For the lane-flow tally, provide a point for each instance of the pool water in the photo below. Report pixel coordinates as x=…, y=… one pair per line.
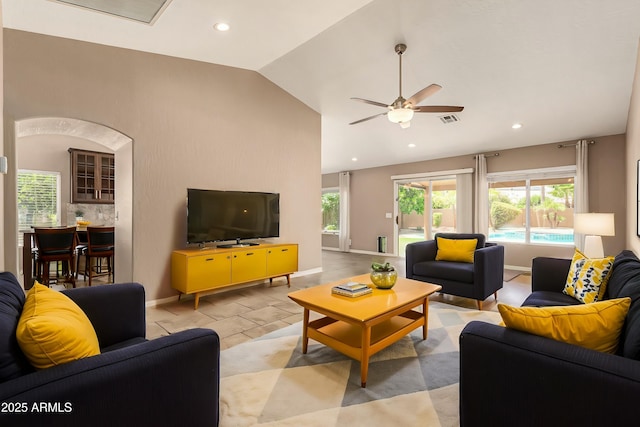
x=549, y=237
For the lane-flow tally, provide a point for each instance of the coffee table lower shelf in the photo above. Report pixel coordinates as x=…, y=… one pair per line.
x=351, y=339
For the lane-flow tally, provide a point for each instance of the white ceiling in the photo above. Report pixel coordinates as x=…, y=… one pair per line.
x=564, y=69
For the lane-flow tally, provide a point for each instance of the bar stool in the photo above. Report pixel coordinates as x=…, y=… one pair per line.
x=55, y=245
x=100, y=244
x=81, y=247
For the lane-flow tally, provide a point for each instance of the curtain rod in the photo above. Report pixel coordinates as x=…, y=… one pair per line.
x=488, y=155
x=573, y=144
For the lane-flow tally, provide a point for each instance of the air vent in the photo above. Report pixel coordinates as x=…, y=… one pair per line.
x=449, y=118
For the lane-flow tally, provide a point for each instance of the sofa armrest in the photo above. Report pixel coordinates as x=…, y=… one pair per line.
x=116, y=311
x=549, y=274
x=543, y=378
x=419, y=252
x=169, y=381
x=488, y=267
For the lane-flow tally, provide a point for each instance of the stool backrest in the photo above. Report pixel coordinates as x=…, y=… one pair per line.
x=100, y=239
x=55, y=240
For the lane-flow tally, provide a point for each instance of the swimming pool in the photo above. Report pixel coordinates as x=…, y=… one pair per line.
x=547, y=236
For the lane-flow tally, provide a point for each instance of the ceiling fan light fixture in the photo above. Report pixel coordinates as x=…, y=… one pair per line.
x=401, y=116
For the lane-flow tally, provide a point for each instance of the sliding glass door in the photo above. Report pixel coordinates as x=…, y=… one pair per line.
x=425, y=207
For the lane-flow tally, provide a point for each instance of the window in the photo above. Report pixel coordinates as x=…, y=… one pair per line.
x=38, y=199
x=330, y=211
x=532, y=206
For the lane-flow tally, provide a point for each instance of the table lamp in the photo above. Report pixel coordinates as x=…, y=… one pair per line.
x=593, y=226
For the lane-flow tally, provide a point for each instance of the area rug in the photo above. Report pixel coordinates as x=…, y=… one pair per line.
x=269, y=382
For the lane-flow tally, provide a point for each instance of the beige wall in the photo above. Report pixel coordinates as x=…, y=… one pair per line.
x=632, y=157
x=193, y=125
x=605, y=157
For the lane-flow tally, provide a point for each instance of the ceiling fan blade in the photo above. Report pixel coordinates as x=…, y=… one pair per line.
x=366, y=101
x=427, y=91
x=368, y=118
x=437, y=109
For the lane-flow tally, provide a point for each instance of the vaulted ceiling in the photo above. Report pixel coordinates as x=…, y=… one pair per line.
x=563, y=69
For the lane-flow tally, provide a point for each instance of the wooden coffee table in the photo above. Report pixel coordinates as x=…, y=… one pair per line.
x=362, y=326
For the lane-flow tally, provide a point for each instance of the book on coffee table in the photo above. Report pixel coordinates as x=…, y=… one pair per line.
x=351, y=289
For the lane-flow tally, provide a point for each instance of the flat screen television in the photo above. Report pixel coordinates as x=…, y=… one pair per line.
x=220, y=216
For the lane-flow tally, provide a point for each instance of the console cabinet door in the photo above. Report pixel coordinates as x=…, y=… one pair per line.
x=206, y=272
x=248, y=265
x=282, y=260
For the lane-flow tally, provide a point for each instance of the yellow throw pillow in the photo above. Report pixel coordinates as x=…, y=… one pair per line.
x=461, y=250
x=53, y=330
x=588, y=277
x=596, y=326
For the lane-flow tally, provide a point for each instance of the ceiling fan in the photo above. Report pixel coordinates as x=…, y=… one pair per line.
x=401, y=110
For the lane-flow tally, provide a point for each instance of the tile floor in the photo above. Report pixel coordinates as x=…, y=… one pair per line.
x=240, y=315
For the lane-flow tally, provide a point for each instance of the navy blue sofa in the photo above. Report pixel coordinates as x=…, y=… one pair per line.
x=478, y=280
x=169, y=381
x=509, y=378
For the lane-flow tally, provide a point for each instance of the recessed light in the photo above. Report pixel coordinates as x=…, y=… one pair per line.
x=516, y=126
x=222, y=26
x=354, y=159
x=412, y=145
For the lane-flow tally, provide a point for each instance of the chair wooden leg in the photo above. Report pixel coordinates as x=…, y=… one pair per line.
x=495, y=295
x=479, y=304
x=90, y=269
x=45, y=273
x=72, y=272
x=86, y=266
x=110, y=269
x=78, y=254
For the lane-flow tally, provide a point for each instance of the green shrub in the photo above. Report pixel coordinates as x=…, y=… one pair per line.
x=502, y=213
x=437, y=219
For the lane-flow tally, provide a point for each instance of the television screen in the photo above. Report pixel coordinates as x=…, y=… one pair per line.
x=216, y=216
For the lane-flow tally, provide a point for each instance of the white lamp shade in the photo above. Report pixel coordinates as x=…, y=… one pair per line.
x=594, y=224
x=400, y=115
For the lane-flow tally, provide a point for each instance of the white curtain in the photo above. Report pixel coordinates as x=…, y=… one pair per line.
x=343, y=238
x=581, y=186
x=464, y=203
x=481, y=216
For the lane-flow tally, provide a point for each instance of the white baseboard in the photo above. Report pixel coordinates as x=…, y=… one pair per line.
x=307, y=272
x=517, y=268
x=156, y=302
x=357, y=251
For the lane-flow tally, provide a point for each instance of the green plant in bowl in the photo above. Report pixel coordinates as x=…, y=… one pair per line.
x=384, y=276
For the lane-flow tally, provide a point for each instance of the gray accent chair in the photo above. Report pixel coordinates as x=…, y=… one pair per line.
x=475, y=280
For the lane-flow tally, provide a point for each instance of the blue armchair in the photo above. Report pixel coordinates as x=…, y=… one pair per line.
x=168, y=381
x=475, y=280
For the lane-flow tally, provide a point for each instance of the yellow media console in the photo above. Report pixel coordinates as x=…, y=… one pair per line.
x=194, y=271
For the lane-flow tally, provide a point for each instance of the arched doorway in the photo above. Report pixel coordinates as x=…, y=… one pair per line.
x=122, y=146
